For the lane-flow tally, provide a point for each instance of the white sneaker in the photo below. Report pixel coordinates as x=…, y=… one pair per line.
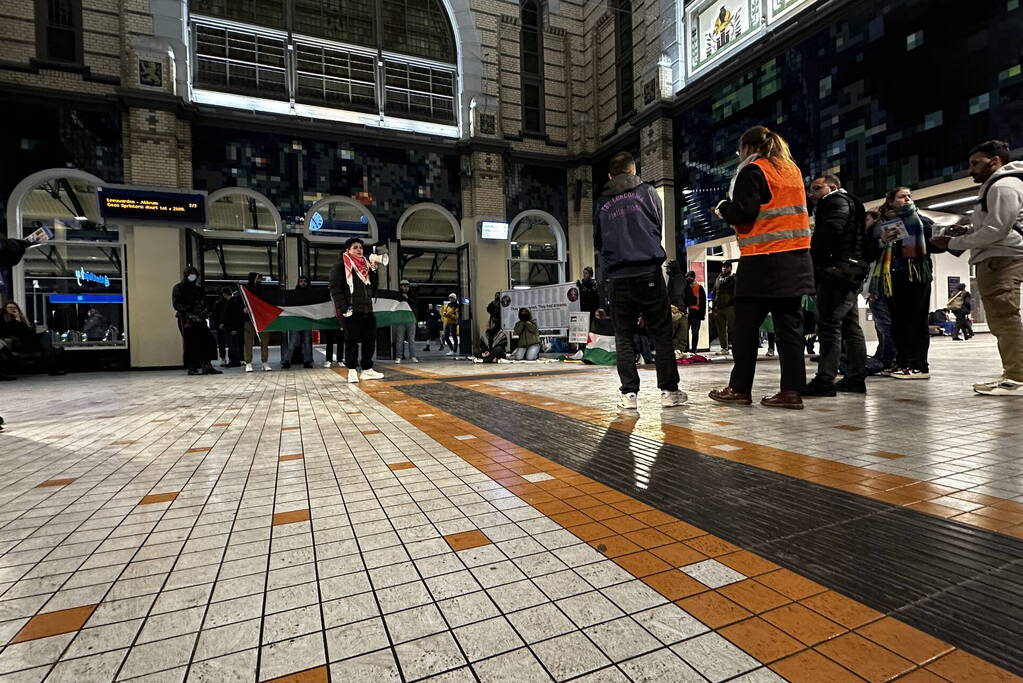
x=450, y=353
x=906, y=373
x=398, y=361
x=248, y=367
x=670, y=399
x=1003, y=386
x=353, y=376
x=628, y=402
x=267, y=368
x=770, y=353
x=414, y=359
x=327, y=364
x=371, y=374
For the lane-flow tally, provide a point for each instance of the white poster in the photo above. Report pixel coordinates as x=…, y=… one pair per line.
x=718, y=27
x=550, y=305
x=578, y=327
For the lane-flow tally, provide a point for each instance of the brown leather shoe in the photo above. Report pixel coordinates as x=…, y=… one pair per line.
x=783, y=399
x=730, y=396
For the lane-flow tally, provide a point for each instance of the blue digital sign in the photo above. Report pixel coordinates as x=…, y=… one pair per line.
x=86, y=298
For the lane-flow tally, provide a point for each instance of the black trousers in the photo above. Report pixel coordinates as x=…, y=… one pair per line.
x=694, y=332
x=334, y=338
x=360, y=331
x=631, y=297
x=787, y=314
x=964, y=326
x=198, y=345
x=838, y=324
x=909, y=304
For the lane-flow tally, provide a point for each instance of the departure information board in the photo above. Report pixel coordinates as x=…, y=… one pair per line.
x=130, y=204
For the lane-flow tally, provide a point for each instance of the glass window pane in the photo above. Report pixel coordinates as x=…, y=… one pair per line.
x=268, y=13
x=418, y=27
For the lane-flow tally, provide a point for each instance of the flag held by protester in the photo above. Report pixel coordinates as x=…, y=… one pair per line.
x=311, y=308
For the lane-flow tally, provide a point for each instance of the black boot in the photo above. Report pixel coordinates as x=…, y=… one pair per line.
x=210, y=370
x=194, y=371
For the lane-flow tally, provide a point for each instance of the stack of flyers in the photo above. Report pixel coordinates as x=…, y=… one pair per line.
x=43, y=234
x=896, y=224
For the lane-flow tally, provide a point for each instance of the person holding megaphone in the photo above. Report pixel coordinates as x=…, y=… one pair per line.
x=352, y=281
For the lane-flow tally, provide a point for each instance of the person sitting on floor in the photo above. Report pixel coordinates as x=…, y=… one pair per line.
x=493, y=343
x=679, y=331
x=20, y=337
x=526, y=330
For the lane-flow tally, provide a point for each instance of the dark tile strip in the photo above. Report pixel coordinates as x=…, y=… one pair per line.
x=957, y=582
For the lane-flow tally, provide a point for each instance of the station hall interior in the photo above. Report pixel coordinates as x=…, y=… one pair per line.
x=233, y=449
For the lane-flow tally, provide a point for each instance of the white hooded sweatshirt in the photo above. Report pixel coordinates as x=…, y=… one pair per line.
x=992, y=234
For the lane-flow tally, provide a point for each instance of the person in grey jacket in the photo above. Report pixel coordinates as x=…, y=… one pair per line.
x=995, y=241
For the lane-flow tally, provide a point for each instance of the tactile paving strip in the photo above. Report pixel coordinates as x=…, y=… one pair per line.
x=956, y=582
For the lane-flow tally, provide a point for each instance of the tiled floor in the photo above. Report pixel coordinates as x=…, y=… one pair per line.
x=288, y=525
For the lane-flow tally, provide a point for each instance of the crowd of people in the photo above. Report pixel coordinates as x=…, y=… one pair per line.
x=800, y=284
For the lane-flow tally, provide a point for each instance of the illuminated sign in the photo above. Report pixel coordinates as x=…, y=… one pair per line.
x=83, y=276
x=493, y=230
x=316, y=222
x=718, y=28
x=122, y=204
x=86, y=298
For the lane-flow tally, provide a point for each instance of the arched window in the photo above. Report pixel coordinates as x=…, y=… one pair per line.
x=240, y=212
x=393, y=58
x=531, y=67
x=537, y=250
x=336, y=218
x=623, y=58
x=429, y=225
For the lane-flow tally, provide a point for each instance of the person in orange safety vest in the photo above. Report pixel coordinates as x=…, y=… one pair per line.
x=767, y=208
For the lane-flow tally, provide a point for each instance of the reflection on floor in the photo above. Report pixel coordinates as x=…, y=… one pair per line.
x=495, y=525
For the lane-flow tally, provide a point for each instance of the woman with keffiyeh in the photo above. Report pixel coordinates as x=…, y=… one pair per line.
x=352, y=281
x=903, y=272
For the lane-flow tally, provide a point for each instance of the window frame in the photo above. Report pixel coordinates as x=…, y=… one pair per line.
x=534, y=79
x=42, y=22
x=624, y=59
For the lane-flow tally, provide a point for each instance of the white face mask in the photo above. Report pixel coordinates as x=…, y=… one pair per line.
x=192, y=277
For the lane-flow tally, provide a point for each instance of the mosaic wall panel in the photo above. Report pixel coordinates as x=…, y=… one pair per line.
x=38, y=136
x=295, y=171
x=537, y=187
x=892, y=93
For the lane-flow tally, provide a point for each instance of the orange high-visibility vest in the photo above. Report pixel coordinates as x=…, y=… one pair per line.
x=783, y=223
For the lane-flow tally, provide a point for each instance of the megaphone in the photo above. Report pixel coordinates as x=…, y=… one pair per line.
x=380, y=259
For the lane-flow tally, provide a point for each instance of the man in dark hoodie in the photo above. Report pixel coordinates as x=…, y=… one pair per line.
x=11, y=252
x=627, y=232
x=189, y=301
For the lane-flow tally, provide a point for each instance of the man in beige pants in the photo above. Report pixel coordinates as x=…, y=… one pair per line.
x=995, y=241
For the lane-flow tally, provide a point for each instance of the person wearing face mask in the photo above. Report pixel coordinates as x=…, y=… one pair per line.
x=433, y=327
x=299, y=337
x=528, y=347
x=903, y=272
x=352, y=281
x=199, y=347
x=995, y=241
x=406, y=332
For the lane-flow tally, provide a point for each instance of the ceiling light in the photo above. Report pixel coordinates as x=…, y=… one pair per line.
x=952, y=202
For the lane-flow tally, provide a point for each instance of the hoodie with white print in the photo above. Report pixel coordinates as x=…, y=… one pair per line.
x=992, y=234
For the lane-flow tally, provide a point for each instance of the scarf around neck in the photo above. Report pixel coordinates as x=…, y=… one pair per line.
x=912, y=255
x=359, y=265
x=742, y=164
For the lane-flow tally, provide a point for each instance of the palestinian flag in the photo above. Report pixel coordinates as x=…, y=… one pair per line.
x=600, y=350
x=311, y=308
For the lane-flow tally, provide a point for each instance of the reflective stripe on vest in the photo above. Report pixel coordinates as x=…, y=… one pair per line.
x=783, y=223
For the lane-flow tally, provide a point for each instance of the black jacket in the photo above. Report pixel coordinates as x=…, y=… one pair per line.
x=189, y=301
x=838, y=232
x=11, y=251
x=360, y=297
x=724, y=292
x=589, y=294
x=699, y=300
x=783, y=274
x=627, y=221
x=676, y=285
x=409, y=297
